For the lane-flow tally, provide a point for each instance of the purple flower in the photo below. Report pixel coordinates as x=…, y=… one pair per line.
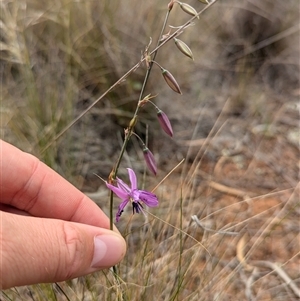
x=132, y=194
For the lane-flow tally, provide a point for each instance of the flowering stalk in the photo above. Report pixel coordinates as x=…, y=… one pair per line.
x=128, y=134
x=114, y=172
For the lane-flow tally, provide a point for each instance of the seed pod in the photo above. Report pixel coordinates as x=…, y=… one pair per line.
x=188, y=9
x=204, y=1
x=170, y=80
x=150, y=161
x=184, y=48
x=165, y=123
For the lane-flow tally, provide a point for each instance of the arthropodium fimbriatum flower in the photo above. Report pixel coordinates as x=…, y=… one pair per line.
x=184, y=48
x=170, y=80
x=165, y=122
x=132, y=194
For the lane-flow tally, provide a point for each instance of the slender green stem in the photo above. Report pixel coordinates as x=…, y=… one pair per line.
x=154, y=52
x=111, y=214
x=160, y=43
x=154, y=62
x=130, y=129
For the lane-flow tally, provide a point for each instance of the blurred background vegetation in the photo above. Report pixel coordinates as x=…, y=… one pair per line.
x=58, y=56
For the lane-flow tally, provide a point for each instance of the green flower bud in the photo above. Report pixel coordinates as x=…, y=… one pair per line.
x=204, y=1
x=132, y=122
x=171, y=81
x=184, y=48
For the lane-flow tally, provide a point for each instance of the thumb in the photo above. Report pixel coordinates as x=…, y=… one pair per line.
x=37, y=250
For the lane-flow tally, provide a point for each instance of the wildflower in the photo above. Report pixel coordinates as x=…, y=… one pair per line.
x=165, y=122
x=132, y=194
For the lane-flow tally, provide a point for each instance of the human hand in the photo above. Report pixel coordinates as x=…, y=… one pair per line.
x=49, y=230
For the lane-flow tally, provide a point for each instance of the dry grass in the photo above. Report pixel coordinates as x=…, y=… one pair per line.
x=227, y=227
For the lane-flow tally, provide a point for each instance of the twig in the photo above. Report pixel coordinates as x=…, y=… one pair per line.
x=249, y=283
x=240, y=253
x=196, y=220
x=281, y=273
x=165, y=177
x=230, y=190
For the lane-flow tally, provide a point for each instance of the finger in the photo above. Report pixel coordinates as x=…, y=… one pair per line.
x=29, y=185
x=36, y=250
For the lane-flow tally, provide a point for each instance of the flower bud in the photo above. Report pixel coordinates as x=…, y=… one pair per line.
x=188, y=9
x=165, y=123
x=204, y=1
x=184, y=48
x=171, y=81
x=150, y=161
x=132, y=122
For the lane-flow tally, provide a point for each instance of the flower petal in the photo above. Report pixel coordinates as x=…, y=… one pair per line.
x=123, y=186
x=132, y=178
x=148, y=198
x=121, y=208
x=118, y=191
x=135, y=195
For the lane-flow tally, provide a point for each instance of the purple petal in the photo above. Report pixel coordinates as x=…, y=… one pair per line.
x=148, y=198
x=135, y=195
x=123, y=186
x=121, y=208
x=132, y=178
x=118, y=191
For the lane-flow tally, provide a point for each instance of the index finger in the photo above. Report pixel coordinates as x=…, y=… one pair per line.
x=29, y=185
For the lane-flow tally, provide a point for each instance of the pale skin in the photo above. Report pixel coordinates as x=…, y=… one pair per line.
x=49, y=230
